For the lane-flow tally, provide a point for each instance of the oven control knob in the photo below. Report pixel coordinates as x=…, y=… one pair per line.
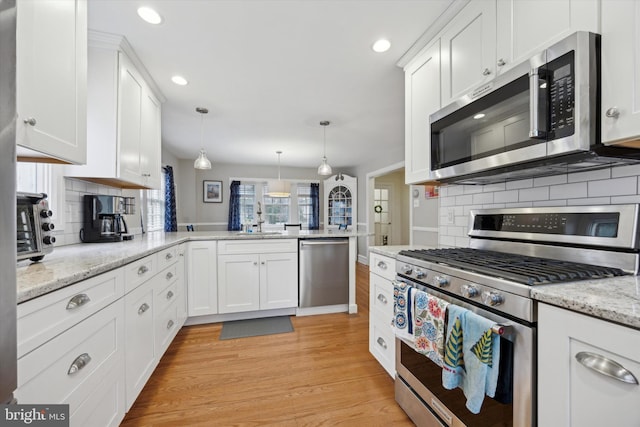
x=492, y=298
x=45, y=213
x=441, y=281
x=406, y=269
x=420, y=274
x=48, y=226
x=469, y=291
x=49, y=240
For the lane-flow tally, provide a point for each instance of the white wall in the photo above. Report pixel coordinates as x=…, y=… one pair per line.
x=602, y=187
x=424, y=217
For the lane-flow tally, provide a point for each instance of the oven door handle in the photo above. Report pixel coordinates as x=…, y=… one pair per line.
x=606, y=366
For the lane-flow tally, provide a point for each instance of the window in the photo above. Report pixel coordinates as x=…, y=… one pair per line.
x=305, y=208
x=275, y=209
x=247, y=202
x=154, y=201
x=48, y=179
x=340, y=206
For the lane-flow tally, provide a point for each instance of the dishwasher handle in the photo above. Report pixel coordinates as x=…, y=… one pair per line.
x=323, y=242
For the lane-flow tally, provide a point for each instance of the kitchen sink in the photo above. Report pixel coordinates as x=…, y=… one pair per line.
x=257, y=233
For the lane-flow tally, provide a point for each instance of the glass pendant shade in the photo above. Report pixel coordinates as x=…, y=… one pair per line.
x=324, y=169
x=278, y=188
x=202, y=162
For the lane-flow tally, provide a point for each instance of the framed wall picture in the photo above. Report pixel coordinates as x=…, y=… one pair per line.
x=212, y=191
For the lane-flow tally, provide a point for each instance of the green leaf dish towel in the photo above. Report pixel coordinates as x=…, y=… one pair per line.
x=472, y=356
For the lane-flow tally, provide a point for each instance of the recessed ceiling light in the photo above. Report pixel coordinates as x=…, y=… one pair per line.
x=179, y=80
x=478, y=116
x=381, y=45
x=149, y=15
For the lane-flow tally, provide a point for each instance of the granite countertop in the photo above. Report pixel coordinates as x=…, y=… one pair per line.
x=616, y=299
x=67, y=265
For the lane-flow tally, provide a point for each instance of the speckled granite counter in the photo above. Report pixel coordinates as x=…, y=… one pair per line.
x=616, y=299
x=70, y=264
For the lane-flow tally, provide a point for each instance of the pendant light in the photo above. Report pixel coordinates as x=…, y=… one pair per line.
x=278, y=188
x=202, y=162
x=324, y=169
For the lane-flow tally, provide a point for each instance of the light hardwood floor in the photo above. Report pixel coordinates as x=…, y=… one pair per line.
x=322, y=374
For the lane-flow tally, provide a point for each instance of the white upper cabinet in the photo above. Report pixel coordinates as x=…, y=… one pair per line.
x=340, y=202
x=468, y=49
x=422, y=97
x=525, y=27
x=621, y=70
x=123, y=114
x=51, y=82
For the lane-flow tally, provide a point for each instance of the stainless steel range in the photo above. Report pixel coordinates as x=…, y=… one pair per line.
x=510, y=251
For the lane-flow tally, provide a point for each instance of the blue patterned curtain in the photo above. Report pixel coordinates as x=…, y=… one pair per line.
x=314, y=221
x=234, y=207
x=170, y=222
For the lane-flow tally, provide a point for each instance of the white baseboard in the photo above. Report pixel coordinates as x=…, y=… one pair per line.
x=362, y=259
x=326, y=309
x=216, y=318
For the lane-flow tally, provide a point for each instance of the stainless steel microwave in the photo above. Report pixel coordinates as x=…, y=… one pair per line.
x=542, y=117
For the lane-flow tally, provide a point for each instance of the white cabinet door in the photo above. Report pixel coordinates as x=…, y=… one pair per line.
x=571, y=394
x=202, y=278
x=620, y=70
x=51, y=82
x=422, y=98
x=278, y=280
x=238, y=283
x=525, y=27
x=468, y=49
x=130, y=93
x=150, y=143
x=140, y=352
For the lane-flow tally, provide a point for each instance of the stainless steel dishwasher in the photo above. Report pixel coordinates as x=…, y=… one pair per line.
x=324, y=272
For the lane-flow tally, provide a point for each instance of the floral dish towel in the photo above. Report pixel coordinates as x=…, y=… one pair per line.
x=429, y=325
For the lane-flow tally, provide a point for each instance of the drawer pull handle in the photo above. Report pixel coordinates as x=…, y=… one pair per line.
x=144, y=307
x=382, y=265
x=606, y=366
x=169, y=275
x=381, y=343
x=382, y=298
x=78, y=301
x=80, y=362
x=169, y=294
x=170, y=324
x=168, y=256
x=142, y=269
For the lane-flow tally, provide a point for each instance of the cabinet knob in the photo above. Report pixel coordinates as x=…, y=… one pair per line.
x=382, y=265
x=169, y=275
x=612, y=112
x=381, y=343
x=78, y=301
x=169, y=294
x=79, y=363
x=143, y=269
x=31, y=121
x=486, y=72
x=168, y=256
x=170, y=323
x=382, y=298
x=143, y=308
x=146, y=175
x=501, y=62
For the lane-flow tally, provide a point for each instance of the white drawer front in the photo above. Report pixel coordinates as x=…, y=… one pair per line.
x=70, y=367
x=257, y=246
x=138, y=272
x=43, y=318
x=167, y=257
x=166, y=328
x=382, y=346
x=166, y=295
x=382, y=265
x=105, y=406
x=381, y=297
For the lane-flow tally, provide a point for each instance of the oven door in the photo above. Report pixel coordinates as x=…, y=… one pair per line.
x=28, y=234
x=420, y=393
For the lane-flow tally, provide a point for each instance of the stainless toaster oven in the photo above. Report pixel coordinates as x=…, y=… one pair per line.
x=34, y=227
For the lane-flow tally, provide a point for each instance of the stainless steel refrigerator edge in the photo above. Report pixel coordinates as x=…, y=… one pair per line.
x=8, y=343
x=324, y=272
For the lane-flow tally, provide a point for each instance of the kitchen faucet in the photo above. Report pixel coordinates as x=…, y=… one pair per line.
x=260, y=220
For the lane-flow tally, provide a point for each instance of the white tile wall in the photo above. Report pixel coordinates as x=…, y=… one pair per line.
x=602, y=187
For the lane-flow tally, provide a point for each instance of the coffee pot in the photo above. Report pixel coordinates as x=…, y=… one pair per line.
x=104, y=220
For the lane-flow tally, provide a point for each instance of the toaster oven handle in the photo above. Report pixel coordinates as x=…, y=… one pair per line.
x=534, y=105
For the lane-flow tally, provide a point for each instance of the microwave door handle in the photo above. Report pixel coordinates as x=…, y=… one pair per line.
x=534, y=105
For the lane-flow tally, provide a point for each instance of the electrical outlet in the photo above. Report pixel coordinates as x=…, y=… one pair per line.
x=451, y=216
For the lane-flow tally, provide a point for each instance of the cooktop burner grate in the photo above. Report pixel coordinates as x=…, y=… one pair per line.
x=518, y=268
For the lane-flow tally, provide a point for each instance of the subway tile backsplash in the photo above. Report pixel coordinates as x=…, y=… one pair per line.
x=600, y=187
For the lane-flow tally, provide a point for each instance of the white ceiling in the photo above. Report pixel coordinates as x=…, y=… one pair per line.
x=270, y=70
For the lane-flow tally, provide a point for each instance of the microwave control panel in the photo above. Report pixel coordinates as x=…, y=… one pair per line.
x=561, y=81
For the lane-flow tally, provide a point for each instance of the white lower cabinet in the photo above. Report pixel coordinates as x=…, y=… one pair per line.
x=202, y=278
x=591, y=393
x=381, y=338
x=140, y=346
x=80, y=367
x=257, y=275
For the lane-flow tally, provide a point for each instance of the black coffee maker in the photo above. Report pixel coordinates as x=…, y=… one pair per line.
x=103, y=218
